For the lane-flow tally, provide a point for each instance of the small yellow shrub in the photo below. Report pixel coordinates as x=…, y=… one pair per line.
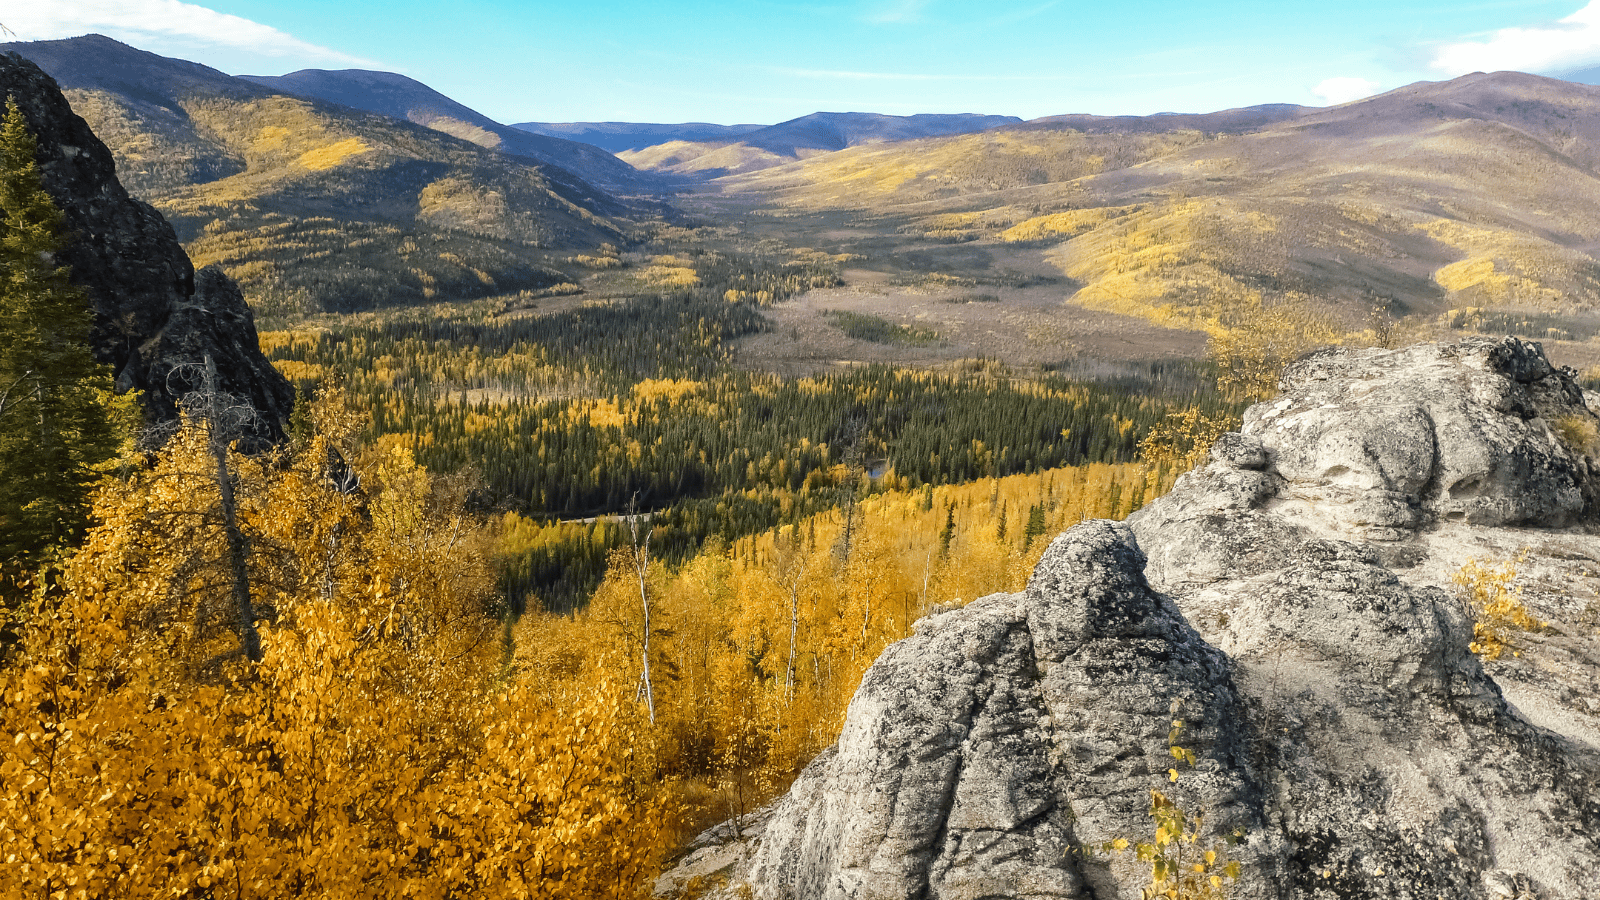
x=1182, y=440
x=1180, y=867
x=1579, y=434
x=1496, y=604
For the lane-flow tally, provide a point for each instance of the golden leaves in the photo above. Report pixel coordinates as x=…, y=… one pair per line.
x=329, y=155
x=1496, y=604
x=369, y=754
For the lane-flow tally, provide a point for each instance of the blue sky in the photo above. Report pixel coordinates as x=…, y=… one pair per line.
x=768, y=60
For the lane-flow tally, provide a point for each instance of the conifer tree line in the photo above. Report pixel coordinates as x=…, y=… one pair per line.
x=56, y=419
x=573, y=415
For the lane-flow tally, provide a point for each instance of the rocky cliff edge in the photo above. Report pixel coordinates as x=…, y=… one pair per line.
x=155, y=318
x=1291, y=602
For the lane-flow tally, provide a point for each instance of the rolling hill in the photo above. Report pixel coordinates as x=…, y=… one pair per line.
x=1468, y=203
x=800, y=138
x=406, y=98
x=1228, y=121
x=615, y=137
x=313, y=206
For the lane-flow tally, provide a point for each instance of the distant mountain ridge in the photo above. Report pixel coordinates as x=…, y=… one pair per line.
x=1242, y=120
x=616, y=137
x=817, y=133
x=827, y=131
x=406, y=98
x=1440, y=203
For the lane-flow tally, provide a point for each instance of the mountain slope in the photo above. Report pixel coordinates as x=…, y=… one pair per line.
x=1478, y=195
x=314, y=206
x=405, y=98
x=615, y=137
x=937, y=168
x=826, y=132
x=1229, y=121
x=800, y=138
x=1478, y=192
x=1055, y=149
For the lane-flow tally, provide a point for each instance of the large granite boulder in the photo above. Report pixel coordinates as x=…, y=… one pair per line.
x=979, y=755
x=1289, y=602
x=1390, y=440
x=155, y=319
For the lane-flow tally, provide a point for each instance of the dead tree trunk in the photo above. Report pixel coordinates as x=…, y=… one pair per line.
x=214, y=412
x=640, y=556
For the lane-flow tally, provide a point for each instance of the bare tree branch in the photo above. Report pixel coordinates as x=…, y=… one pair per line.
x=5, y=397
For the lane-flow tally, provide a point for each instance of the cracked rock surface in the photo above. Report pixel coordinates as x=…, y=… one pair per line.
x=1291, y=603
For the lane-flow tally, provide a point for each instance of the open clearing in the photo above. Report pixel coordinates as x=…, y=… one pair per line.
x=1030, y=327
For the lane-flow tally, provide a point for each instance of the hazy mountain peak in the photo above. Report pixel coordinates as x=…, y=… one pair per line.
x=393, y=94
x=617, y=137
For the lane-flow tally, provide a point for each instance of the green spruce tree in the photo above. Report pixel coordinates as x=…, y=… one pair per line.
x=56, y=428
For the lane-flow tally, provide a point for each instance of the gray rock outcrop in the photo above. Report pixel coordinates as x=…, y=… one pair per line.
x=1290, y=603
x=153, y=313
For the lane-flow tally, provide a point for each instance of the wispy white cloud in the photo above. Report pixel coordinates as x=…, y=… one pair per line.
x=847, y=75
x=164, y=23
x=899, y=11
x=1565, y=44
x=1023, y=15
x=1334, y=91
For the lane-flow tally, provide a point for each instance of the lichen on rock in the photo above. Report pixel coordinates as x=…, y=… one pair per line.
x=1289, y=603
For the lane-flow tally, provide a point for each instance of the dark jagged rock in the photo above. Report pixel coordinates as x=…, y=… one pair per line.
x=1299, y=619
x=153, y=313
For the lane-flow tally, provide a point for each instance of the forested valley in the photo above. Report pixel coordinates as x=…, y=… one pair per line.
x=538, y=584
x=574, y=417
x=395, y=503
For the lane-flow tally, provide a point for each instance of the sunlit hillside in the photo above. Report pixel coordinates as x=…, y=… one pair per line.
x=312, y=206
x=703, y=160
x=940, y=168
x=801, y=138
x=405, y=98
x=1422, y=206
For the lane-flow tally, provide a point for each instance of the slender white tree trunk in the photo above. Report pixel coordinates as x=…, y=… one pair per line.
x=641, y=568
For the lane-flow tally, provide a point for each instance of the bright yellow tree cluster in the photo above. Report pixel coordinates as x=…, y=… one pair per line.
x=379, y=748
x=756, y=648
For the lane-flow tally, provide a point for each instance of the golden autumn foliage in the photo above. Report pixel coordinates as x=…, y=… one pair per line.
x=1181, y=868
x=1256, y=339
x=330, y=155
x=1496, y=605
x=380, y=748
x=395, y=740
x=757, y=647
x=1182, y=440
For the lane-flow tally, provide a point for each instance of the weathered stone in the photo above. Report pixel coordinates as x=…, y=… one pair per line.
x=981, y=755
x=1303, y=627
x=1392, y=439
x=152, y=313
